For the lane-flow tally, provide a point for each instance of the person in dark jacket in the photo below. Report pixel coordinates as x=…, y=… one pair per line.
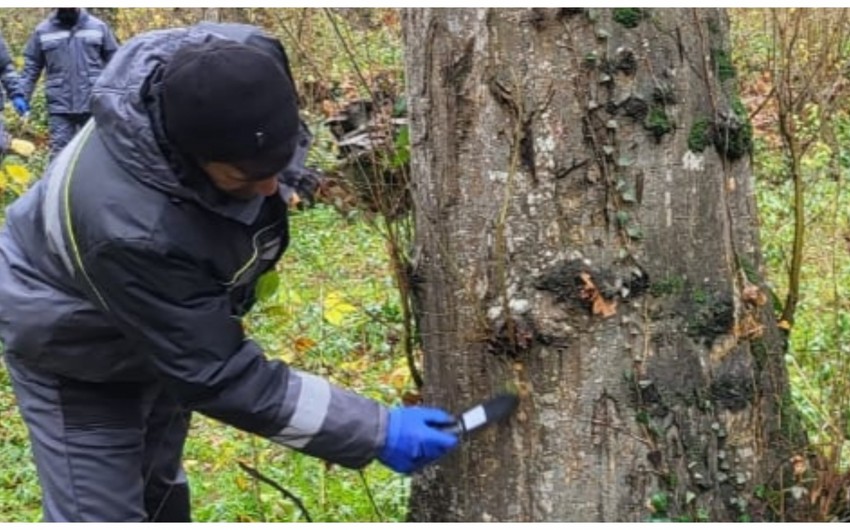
x=73, y=46
x=11, y=84
x=127, y=268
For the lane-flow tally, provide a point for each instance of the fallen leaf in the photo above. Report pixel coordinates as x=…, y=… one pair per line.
x=22, y=147
x=784, y=324
x=798, y=466
x=411, y=399
x=753, y=295
x=19, y=174
x=303, y=344
x=336, y=309
x=399, y=378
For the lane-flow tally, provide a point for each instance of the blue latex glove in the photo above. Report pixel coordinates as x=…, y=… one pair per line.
x=21, y=105
x=413, y=440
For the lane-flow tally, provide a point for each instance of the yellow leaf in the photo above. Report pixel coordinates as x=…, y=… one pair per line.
x=400, y=378
x=22, y=147
x=336, y=309
x=20, y=174
x=784, y=324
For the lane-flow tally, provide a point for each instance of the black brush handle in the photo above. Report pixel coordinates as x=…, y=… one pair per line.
x=455, y=427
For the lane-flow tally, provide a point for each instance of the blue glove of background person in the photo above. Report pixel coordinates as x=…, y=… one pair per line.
x=413, y=439
x=21, y=105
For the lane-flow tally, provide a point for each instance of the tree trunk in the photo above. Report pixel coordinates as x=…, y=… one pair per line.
x=586, y=236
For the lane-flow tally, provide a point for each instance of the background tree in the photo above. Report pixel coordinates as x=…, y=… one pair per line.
x=586, y=234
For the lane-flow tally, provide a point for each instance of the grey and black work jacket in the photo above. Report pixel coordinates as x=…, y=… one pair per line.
x=124, y=263
x=8, y=74
x=73, y=59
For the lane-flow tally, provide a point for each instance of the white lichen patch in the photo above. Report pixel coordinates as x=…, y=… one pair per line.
x=693, y=161
x=498, y=176
x=481, y=287
x=519, y=306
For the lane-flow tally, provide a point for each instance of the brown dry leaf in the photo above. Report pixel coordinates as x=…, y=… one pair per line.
x=603, y=307
x=303, y=344
x=798, y=466
x=753, y=295
x=411, y=399
x=784, y=324
x=599, y=305
x=589, y=290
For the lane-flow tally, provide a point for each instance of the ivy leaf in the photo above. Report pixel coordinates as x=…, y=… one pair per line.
x=628, y=194
x=634, y=232
x=267, y=286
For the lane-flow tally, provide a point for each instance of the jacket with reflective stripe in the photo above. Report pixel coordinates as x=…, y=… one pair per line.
x=73, y=58
x=120, y=264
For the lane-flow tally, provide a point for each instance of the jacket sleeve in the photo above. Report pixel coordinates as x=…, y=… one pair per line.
x=171, y=308
x=110, y=45
x=33, y=65
x=8, y=74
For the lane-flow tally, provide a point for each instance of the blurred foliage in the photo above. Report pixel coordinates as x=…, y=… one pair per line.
x=795, y=81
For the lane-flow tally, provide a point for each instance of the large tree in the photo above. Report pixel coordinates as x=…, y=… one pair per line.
x=586, y=234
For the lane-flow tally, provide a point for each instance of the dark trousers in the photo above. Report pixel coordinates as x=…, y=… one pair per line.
x=63, y=127
x=104, y=451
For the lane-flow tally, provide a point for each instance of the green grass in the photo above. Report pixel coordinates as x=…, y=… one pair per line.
x=329, y=258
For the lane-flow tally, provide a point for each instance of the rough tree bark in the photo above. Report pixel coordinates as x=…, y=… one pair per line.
x=586, y=234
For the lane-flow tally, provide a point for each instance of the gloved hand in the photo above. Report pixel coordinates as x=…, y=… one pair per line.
x=21, y=105
x=413, y=439
x=300, y=186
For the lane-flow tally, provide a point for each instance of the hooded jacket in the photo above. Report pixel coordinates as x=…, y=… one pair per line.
x=73, y=57
x=126, y=263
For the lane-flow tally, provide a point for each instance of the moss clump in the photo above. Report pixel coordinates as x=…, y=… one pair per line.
x=629, y=17
x=758, y=349
x=669, y=285
x=657, y=122
x=700, y=135
x=734, y=134
x=723, y=67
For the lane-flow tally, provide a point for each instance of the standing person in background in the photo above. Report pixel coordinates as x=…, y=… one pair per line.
x=74, y=47
x=11, y=83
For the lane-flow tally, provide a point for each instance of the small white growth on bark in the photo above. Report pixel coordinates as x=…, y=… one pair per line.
x=498, y=176
x=693, y=161
x=520, y=307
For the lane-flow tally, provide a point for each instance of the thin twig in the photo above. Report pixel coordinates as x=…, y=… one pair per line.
x=285, y=492
x=255, y=458
x=369, y=494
